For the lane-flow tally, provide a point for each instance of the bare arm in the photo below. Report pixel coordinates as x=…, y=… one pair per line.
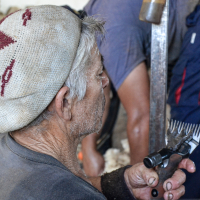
x=134, y=95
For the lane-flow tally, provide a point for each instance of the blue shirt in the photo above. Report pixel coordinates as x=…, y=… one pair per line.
x=127, y=41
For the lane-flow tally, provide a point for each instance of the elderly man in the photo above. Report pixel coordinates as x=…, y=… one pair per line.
x=51, y=98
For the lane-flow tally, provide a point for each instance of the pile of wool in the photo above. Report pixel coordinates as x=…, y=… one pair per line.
x=114, y=158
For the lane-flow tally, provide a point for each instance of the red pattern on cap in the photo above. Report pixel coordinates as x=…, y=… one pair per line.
x=8, y=73
x=5, y=40
x=26, y=16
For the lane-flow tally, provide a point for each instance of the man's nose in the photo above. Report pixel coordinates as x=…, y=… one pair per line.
x=105, y=80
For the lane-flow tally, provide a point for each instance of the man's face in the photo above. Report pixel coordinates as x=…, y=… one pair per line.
x=89, y=111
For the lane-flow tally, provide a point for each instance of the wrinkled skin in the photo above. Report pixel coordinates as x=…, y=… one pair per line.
x=140, y=181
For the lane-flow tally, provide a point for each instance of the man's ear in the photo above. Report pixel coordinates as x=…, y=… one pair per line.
x=63, y=105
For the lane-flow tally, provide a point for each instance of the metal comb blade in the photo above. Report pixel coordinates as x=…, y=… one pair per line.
x=180, y=132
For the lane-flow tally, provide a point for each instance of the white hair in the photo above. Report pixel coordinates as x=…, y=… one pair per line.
x=77, y=80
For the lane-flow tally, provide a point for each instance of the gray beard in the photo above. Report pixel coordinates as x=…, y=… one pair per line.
x=97, y=121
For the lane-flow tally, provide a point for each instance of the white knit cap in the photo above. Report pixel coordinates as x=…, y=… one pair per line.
x=37, y=49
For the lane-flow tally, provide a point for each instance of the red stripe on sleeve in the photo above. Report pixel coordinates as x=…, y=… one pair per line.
x=199, y=99
x=178, y=91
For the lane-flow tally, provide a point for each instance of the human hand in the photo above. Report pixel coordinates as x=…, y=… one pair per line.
x=93, y=163
x=141, y=180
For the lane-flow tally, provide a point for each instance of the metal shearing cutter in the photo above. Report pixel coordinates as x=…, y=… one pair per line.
x=182, y=139
x=157, y=13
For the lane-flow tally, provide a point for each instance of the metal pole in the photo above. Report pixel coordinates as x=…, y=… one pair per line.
x=158, y=85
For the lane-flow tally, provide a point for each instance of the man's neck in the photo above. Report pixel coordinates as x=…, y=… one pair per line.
x=56, y=143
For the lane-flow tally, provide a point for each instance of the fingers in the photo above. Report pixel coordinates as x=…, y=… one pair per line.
x=173, y=186
x=150, y=177
x=139, y=176
x=175, y=181
x=188, y=165
x=175, y=194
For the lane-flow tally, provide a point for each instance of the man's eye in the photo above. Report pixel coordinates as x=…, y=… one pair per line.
x=100, y=74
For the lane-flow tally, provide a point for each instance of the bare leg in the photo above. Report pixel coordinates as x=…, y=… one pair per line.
x=134, y=95
x=93, y=161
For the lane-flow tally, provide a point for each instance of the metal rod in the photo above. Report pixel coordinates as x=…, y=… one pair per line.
x=158, y=85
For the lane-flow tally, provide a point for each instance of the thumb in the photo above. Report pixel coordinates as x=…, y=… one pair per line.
x=139, y=176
